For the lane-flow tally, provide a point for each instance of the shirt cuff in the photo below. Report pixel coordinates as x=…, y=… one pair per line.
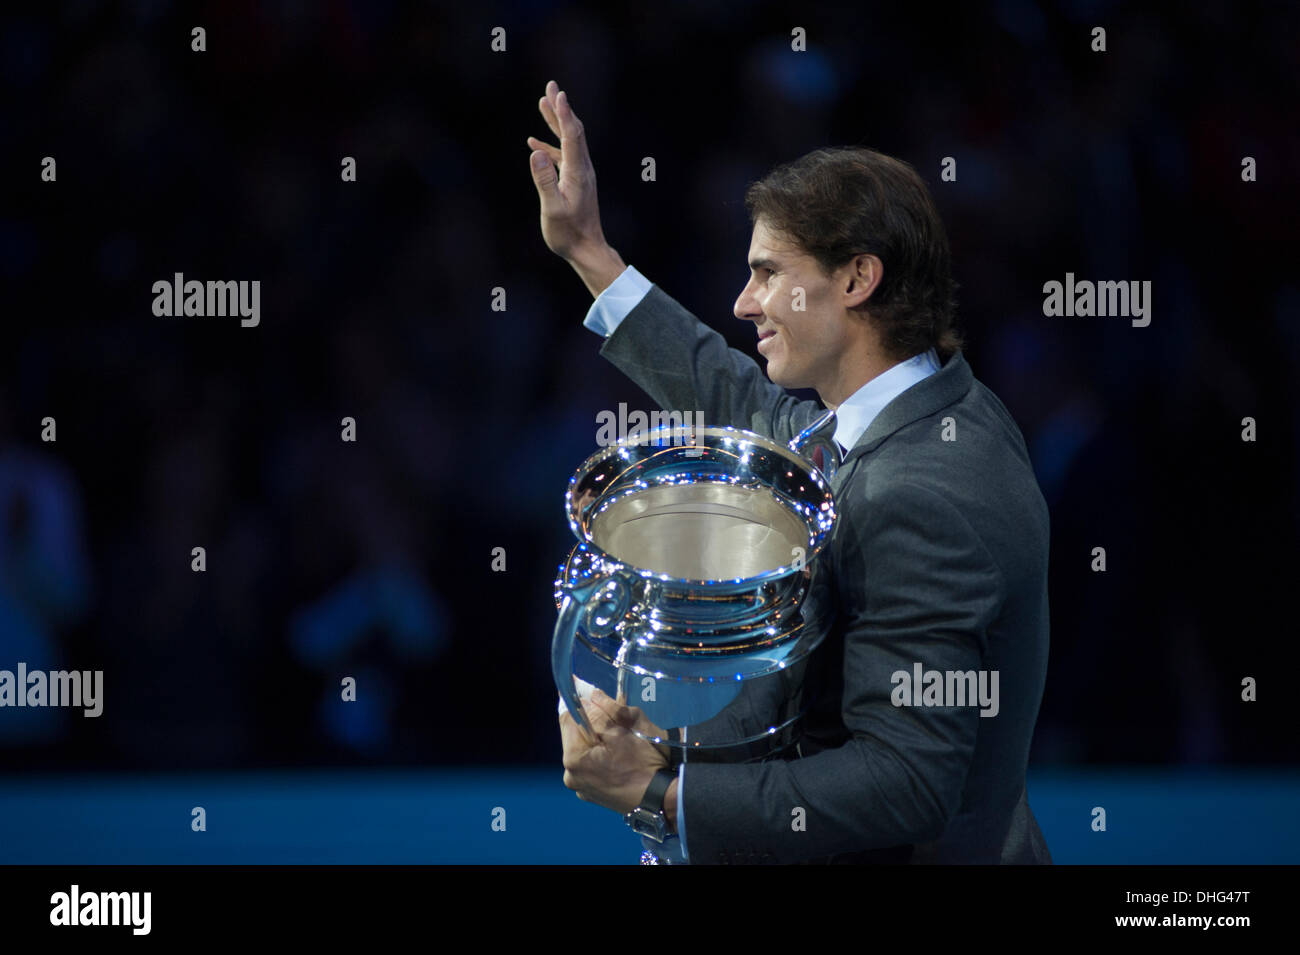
x=614, y=304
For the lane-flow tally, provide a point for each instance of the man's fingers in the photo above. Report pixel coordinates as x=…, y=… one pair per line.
x=630, y=717
x=615, y=710
x=547, y=109
x=574, y=161
x=570, y=160
x=552, y=151
x=573, y=148
x=599, y=716
x=545, y=176
x=573, y=737
x=596, y=715
x=606, y=703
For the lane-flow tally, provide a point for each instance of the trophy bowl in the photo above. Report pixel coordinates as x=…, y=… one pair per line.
x=685, y=592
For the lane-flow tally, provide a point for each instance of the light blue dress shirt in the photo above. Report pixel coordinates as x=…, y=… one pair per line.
x=852, y=417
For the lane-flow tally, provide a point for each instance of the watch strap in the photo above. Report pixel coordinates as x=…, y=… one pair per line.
x=657, y=790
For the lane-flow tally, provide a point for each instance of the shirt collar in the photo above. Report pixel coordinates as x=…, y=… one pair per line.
x=855, y=414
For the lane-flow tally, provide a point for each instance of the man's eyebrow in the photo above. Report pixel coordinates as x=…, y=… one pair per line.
x=757, y=264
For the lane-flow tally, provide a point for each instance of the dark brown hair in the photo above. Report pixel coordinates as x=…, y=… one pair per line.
x=840, y=202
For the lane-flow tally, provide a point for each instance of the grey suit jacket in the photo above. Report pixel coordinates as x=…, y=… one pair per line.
x=939, y=558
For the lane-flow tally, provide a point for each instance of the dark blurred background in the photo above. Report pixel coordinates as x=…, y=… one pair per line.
x=373, y=559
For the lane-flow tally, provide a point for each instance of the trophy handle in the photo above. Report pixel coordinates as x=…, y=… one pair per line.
x=822, y=451
x=575, y=603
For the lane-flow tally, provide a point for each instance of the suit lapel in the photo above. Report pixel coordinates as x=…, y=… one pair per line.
x=944, y=387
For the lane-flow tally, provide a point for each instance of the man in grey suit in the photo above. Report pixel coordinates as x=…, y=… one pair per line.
x=922, y=697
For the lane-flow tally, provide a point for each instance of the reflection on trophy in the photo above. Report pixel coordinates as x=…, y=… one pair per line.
x=685, y=594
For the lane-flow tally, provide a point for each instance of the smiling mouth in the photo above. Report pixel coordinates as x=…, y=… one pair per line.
x=765, y=335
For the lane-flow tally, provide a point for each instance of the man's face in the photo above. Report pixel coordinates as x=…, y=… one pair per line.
x=804, y=347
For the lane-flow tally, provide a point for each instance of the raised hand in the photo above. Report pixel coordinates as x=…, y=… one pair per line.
x=566, y=187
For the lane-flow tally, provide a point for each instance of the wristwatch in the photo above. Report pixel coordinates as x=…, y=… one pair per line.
x=649, y=819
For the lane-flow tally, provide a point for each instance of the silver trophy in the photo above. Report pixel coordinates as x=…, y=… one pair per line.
x=685, y=594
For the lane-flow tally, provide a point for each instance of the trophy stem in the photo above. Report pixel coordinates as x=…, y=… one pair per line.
x=620, y=661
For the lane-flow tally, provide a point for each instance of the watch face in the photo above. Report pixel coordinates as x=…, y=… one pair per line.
x=647, y=823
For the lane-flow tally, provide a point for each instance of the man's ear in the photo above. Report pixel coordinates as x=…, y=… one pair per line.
x=862, y=277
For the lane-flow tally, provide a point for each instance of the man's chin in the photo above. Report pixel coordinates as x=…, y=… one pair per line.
x=778, y=375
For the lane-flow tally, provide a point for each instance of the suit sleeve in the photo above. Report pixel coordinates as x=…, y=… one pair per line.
x=686, y=366
x=916, y=586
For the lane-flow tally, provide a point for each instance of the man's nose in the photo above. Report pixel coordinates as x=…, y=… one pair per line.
x=747, y=307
